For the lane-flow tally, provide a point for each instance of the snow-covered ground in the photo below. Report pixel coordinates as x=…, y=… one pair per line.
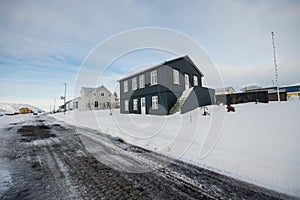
x=259, y=143
x=11, y=108
x=5, y=120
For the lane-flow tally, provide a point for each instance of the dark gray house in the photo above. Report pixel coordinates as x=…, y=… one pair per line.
x=165, y=89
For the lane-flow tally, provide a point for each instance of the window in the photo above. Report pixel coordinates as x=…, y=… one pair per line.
x=155, y=102
x=135, y=104
x=142, y=81
x=134, y=83
x=153, y=76
x=195, y=80
x=125, y=86
x=187, y=81
x=175, y=76
x=126, y=106
x=96, y=104
x=102, y=94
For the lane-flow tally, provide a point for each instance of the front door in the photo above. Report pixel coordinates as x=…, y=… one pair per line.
x=143, y=105
x=186, y=81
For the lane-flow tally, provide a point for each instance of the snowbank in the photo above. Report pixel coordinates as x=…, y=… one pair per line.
x=6, y=121
x=259, y=143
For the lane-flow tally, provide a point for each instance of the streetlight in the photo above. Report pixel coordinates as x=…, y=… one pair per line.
x=65, y=97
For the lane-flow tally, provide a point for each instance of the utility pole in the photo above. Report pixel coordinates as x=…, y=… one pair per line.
x=276, y=67
x=65, y=97
x=54, y=105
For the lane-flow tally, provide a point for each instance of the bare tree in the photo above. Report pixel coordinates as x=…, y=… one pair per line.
x=250, y=87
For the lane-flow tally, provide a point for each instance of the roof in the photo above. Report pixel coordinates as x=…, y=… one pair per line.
x=89, y=90
x=187, y=58
x=275, y=90
x=292, y=88
x=288, y=88
x=291, y=85
x=25, y=109
x=223, y=89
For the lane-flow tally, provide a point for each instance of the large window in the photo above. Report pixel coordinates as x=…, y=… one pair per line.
x=125, y=86
x=96, y=104
x=155, y=102
x=126, y=106
x=175, y=76
x=195, y=80
x=142, y=81
x=135, y=104
x=134, y=83
x=153, y=77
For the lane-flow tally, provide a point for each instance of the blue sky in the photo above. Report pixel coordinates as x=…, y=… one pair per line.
x=44, y=43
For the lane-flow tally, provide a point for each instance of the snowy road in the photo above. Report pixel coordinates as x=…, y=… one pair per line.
x=42, y=158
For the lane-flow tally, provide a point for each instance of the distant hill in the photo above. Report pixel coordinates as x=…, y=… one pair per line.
x=10, y=108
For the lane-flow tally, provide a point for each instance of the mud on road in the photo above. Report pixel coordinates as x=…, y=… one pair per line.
x=46, y=159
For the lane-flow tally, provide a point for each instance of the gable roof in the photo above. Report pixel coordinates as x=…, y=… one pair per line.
x=89, y=90
x=224, y=89
x=187, y=58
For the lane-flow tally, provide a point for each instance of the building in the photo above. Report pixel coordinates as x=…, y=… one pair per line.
x=226, y=90
x=164, y=88
x=72, y=104
x=25, y=111
x=273, y=95
x=243, y=97
x=284, y=91
x=95, y=99
x=292, y=90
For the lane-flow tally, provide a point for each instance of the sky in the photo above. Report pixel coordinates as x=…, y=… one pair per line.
x=44, y=44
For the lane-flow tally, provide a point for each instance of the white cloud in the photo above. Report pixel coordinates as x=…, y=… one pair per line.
x=58, y=35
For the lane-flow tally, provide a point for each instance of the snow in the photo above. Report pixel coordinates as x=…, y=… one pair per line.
x=259, y=143
x=294, y=98
x=5, y=180
x=11, y=108
x=9, y=120
x=44, y=142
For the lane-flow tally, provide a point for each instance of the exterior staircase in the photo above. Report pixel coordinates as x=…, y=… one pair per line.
x=180, y=101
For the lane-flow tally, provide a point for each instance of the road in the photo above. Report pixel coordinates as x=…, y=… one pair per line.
x=42, y=158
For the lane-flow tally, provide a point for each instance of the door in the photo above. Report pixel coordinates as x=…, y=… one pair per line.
x=143, y=105
x=186, y=81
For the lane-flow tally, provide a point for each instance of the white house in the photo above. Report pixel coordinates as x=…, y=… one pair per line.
x=72, y=104
x=226, y=90
x=96, y=98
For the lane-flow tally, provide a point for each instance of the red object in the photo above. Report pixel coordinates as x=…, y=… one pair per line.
x=230, y=108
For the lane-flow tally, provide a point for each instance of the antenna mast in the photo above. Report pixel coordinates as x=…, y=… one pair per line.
x=276, y=67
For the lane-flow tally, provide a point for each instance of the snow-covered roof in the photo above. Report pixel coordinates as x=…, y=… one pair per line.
x=143, y=69
x=291, y=85
x=89, y=90
x=224, y=89
x=275, y=90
